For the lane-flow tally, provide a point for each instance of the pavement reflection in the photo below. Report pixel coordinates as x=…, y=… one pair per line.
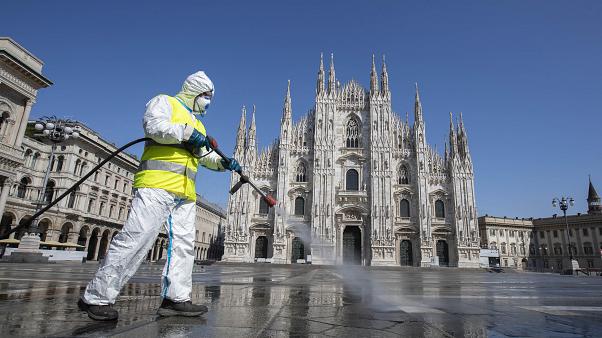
x=264, y=300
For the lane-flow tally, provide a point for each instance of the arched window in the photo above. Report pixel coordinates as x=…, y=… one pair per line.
x=22, y=188
x=493, y=246
x=439, y=209
x=77, y=166
x=84, y=169
x=299, y=206
x=49, y=191
x=301, y=170
x=352, y=180
x=404, y=208
x=59, y=163
x=404, y=176
x=4, y=120
x=34, y=161
x=71, y=202
x=352, y=133
x=28, y=156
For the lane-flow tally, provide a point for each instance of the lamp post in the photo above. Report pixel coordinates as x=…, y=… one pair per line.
x=56, y=131
x=564, y=204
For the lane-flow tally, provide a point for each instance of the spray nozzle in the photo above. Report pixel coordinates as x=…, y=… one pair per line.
x=271, y=201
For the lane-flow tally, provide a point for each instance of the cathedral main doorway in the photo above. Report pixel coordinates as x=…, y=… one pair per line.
x=443, y=252
x=405, y=253
x=261, y=247
x=298, y=250
x=352, y=245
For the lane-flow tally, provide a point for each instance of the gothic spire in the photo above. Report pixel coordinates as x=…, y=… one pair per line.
x=417, y=108
x=373, y=78
x=320, y=83
x=461, y=125
x=384, y=78
x=241, y=136
x=287, y=111
x=331, y=76
x=252, y=130
x=452, y=136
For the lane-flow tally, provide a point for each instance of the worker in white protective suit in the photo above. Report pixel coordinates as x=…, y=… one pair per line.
x=165, y=195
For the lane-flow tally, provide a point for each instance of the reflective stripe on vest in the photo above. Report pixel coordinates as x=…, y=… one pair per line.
x=170, y=167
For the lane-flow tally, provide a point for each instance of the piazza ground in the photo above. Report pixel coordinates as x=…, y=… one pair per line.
x=262, y=300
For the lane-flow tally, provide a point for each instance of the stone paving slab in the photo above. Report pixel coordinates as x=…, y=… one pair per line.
x=263, y=300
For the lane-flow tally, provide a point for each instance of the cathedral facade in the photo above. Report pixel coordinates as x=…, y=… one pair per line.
x=355, y=184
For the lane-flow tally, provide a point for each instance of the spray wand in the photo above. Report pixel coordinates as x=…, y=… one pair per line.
x=271, y=201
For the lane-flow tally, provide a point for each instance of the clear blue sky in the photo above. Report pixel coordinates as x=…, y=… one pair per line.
x=526, y=74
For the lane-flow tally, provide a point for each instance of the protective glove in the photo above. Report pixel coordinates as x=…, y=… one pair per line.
x=231, y=164
x=197, y=140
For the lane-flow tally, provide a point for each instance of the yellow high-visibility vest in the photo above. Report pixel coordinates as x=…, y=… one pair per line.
x=170, y=167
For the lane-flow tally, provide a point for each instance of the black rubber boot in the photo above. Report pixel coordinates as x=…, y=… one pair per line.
x=98, y=312
x=187, y=309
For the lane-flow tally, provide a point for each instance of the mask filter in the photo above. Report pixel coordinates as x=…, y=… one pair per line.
x=201, y=104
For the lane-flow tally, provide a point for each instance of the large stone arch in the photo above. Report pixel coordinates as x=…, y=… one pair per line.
x=82, y=238
x=65, y=232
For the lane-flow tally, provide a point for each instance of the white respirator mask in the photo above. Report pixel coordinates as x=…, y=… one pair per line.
x=201, y=104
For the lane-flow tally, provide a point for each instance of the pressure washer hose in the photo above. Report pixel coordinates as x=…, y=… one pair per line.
x=212, y=144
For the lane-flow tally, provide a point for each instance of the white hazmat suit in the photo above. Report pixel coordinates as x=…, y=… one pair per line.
x=152, y=208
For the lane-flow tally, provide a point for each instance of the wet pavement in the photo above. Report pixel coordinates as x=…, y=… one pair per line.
x=263, y=300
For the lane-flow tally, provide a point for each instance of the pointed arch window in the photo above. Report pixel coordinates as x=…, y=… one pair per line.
x=352, y=180
x=299, y=206
x=301, y=173
x=404, y=176
x=404, y=208
x=352, y=133
x=439, y=209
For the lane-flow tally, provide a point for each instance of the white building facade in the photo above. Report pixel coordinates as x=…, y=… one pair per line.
x=20, y=79
x=356, y=184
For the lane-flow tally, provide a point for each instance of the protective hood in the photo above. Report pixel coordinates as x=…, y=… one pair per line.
x=195, y=84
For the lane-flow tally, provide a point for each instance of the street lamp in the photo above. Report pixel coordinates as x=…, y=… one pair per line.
x=564, y=204
x=56, y=131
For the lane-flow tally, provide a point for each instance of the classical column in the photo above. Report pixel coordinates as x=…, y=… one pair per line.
x=97, y=248
x=4, y=195
x=19, y=139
